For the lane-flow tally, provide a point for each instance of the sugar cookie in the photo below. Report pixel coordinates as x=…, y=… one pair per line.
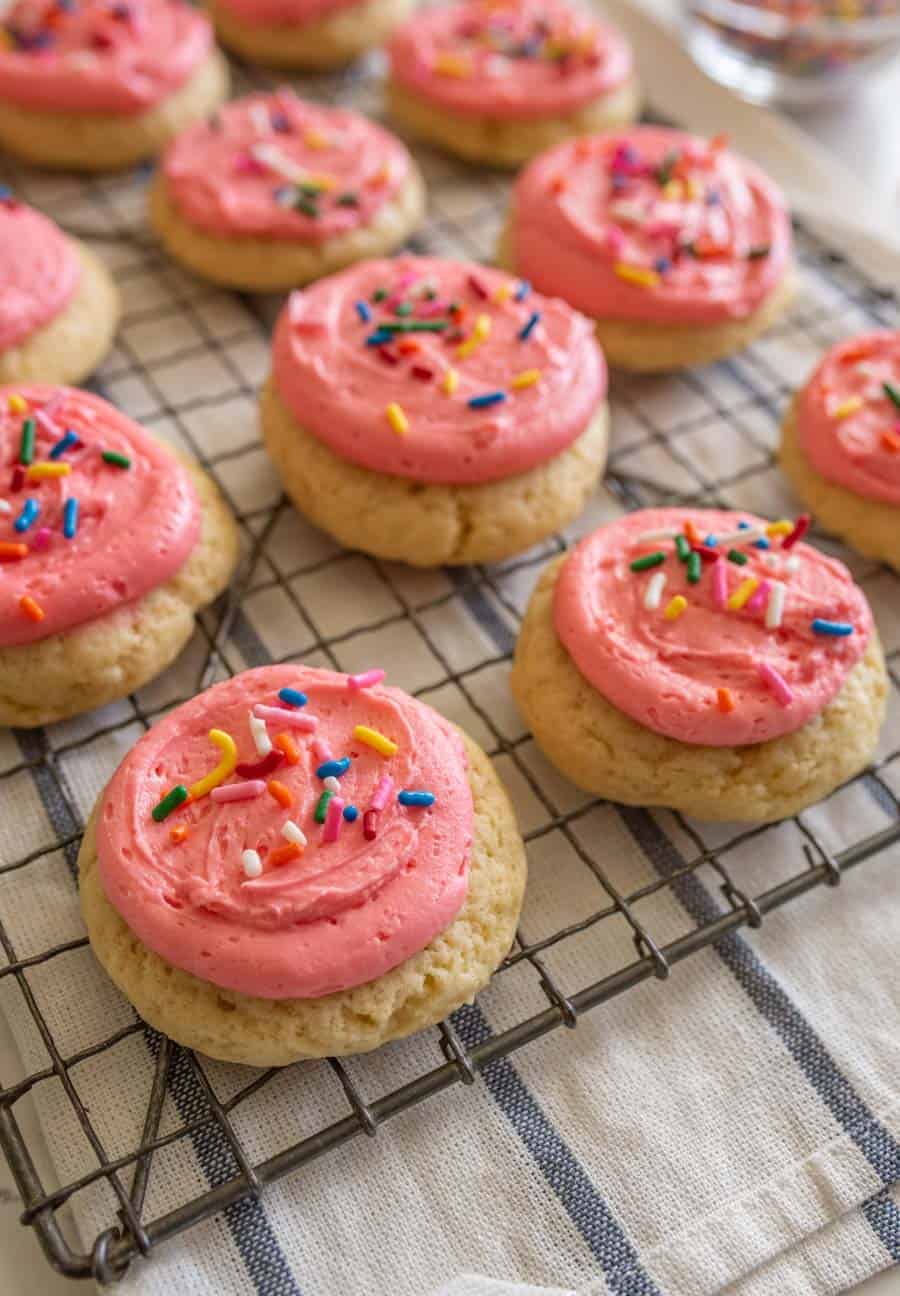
x=305, y=33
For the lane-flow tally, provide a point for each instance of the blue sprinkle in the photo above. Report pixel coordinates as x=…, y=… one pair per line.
x=280, y=123
x=28, y=515
x=64, y=443
x=415, y=798
x=379, y=337
x=713, y=198
x=743, y=526
x=529, y=326
x=523, y=290
x=761, y=543
x=838, y=628
x=363, y=312
x=70, y=519
x=351, y=814
x=662, y=265
x=333, y=768
x=5, y=193
x=711, y=541
x=293, y=697
x=489, y=398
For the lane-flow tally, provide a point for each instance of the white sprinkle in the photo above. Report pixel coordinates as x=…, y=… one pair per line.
x=664, y=533
x=252, y=863
x=293, y=833
x=775, y=606
x=278, y=162
x=741, y=537
x=628, y=210
x=260, y=118
x=260, y=735
x=331, y=784
x=5, y=506
x=771, y=559
x=792, y=563
x=654, y=590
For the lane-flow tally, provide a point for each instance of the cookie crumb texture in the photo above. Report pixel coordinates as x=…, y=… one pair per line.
x=605, y=752
x=417, y=993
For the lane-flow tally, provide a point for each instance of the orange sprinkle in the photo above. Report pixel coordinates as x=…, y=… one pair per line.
x=692, y=533
x=583, y=148
x=719, y=142
x=557, y=184
x=284, y=742
x=179, y=833
x=32, y=610
x=406, y=346
x=284, y=854
x=891, y=442
x=283, y=795
x=11, y=551
x=725, y=700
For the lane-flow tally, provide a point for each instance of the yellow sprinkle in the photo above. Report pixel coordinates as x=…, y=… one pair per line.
x=479, y=333
x=372, y=738
x=636, y=274
x=451, y=382
x=784, y=527
x=17, y=404
x=504, y=292
x=527, y=378
x=323, y=180
x=847, y=407
x=694, y=189
x=673, y=190
x=223, y=770
x=397, y=419
x=6, y=41
x=452, y=66
x=315, y=139
x=743, y=593
x=38, y=471
x=675, y=607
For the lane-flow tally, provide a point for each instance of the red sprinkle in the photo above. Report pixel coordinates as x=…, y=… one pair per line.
x=18, y=479
x=422, y=372
x=706, y=553
x=477, y=287
x=262, y=767
x=387, y=356
x=10, y=551
x=801, y=526
x=558, y=184
x=370, y=825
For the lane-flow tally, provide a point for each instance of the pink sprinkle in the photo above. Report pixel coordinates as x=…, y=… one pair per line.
x=244, y=164
x=760, y=597
x=41, y=539
x=615, y=240
x=321, y=751
x=284, y=715
x=366, y=679
x=334, y=817
x=239, y=791
x=44, y=421
x=777, y=683
x=720, y=582
x=382, y=793
x=428, y=309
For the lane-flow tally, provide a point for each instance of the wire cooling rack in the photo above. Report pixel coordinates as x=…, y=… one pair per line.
x=188, y=362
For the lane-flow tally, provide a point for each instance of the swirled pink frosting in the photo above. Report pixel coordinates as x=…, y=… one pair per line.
x=39, y=272
x=847, y=423
x=341, y=913
x=650, y=224
x=284, y=13
x=519, y=61
x=99, y=56
x=275, y=166
x=136, y=526
x=666, y=674
x=340, y=388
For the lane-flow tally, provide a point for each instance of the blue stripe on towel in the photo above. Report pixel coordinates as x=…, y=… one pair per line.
x=883, y=1215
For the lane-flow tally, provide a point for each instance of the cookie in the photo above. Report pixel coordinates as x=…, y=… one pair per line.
x=93, y=86
x=305, y=33
x=743, y=683
x=59, y=306
x=840, y=444
x=434, y=411
x=679, y=249
x=500, y=85
x=298, y=863
x=273, y=192
x=108, y=546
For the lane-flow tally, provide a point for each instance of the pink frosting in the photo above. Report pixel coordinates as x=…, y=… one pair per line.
x=847, y=424
x=340, y=389
x=284, y=13
x=705, y=231
x=245, y=171
x=666, y=674
x=100, y=56
x=39, y=272
x=136, y=525
x=344, y=911
x=528, y=59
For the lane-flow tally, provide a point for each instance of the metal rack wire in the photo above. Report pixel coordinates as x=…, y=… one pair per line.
x=189, y=359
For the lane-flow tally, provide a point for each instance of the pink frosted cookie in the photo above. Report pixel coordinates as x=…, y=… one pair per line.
x=58, y=304
x=435, y=411
x=840, y=443
x=305, y=33
x=98, y=84
x=108, y=545
x=707, y=661
x=497, y=83
x=312, y=863
x=679, y=249
x=272, y=192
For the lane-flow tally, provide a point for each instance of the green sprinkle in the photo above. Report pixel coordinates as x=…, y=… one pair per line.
x=171, y=801
x=759, y=253
x=403, y=309
x=309, y=190
x=117, y=460
x=646, y=561
x=415, y=326
x=322, y=807
x=307, y=206
x=693, y=567
x=348, y=199
x=889, y=390
x=735, y=556
x=666, y=167
x=379, y=294
x=26, y=446
x=682, y=547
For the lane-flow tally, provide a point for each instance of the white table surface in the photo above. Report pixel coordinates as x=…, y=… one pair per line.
x=863, y=132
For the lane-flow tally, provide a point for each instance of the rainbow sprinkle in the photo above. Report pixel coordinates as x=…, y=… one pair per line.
x=675, y=607
x=397, y=418
x=776, y=682
x=372, y=738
